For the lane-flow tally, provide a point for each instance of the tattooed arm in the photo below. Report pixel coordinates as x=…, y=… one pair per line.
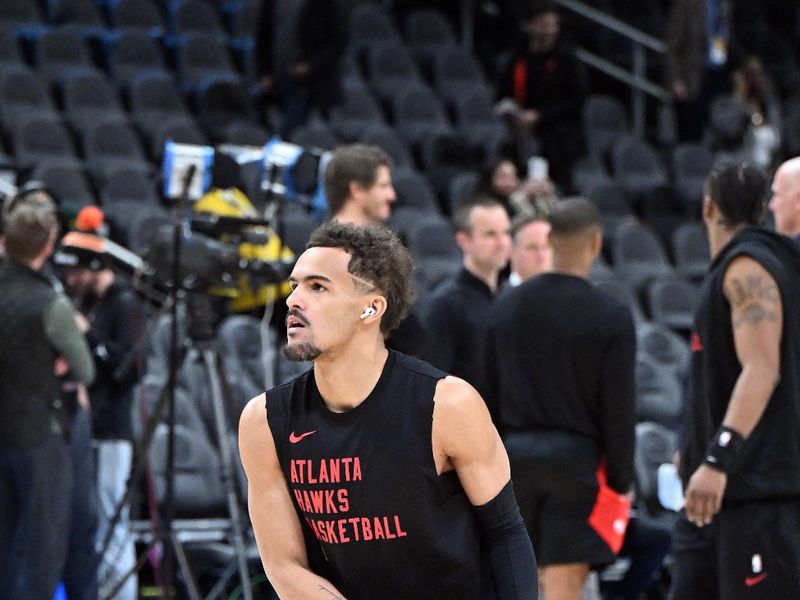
x=757, y=319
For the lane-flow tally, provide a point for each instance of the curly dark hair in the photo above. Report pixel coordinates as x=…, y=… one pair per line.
x=739, y=190
x=376, y=256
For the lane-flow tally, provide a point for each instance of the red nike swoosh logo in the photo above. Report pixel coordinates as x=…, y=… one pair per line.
x=296, y=438
x=751, y=581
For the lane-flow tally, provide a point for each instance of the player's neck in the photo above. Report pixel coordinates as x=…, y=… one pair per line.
x=351, y=213
x=719, y=236
x=346, y=377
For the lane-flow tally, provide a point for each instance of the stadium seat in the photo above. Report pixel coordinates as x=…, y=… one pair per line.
x=11, y=58
x=41, y=138
x=456, y=72
x=88, y=98
x=461, y=189
x=183, y=130
x=82, y=14
x=604, y=123
x=68, y=181
x=428, y=32
x=197, y=487
x=672, y=301
x=196, y=16
x=658, y=393
x=295, y=231
x=131, y=52
x=200, y=55
x=414, y=192
x=417, y=113
x=154, y=98
x=369, y=24
x=24, y=94
x=662, y=345
x=446, y=154
x=623, y=292
x=636, y=166
x=690, y=250
x=691, y=164
x=385, y=137
x=128, y=185
x=248, y=350
x=16, y=14
x=655, y=445
x=390, y=69
x=58, y=50
x=354, y=115
x=612, y=202
x=637, y=255
x=314, y=136
x=221, y=102
x=108, y=145
x=141, y=15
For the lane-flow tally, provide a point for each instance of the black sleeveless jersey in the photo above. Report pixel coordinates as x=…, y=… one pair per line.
x=768, y=464
x=366, y=490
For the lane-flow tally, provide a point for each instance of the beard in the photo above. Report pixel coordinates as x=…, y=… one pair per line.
x=302, y=351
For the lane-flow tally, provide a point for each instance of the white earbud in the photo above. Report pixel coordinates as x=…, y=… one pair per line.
x=368, y=312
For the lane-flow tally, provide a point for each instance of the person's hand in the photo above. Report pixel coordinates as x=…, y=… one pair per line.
x=537, y=187
x=679, y=89
x=83, y=397
x=300, y=70
x=528, y=117
x=704, y=495
x=60, y=367
x=82, y=322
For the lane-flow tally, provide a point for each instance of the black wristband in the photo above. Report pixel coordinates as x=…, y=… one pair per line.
x=723, y=450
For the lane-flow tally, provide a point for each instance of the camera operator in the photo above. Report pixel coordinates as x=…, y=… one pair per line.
x=40, y=342
x=109, y=315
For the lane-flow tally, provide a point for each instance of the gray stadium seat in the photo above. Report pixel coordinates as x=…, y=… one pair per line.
x=690, y=250
x=672, y=301
x=130, y=52
x=637, y=255
x=414, y=192
x=142, y=15
x=88, y=98
x=636, y=165
x=658, y=393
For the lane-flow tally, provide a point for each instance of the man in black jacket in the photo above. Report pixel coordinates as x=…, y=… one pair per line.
x=737, y=537
x=40, y=341
x=109, y=316
x=560, y=363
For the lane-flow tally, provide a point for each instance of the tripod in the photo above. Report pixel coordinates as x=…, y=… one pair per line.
x=201, y=330
x=211, y=380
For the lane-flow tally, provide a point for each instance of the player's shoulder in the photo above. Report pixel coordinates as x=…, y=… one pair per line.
x=413, y=366
x=454, y=395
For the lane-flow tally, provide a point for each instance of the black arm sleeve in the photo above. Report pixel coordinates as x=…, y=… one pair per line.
x=511, y=555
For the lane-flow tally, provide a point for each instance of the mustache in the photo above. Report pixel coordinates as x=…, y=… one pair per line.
x=293, y=312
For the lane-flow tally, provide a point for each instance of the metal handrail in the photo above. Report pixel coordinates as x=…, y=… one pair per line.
x=615, y=25
x=602, y=64
x=640, y=42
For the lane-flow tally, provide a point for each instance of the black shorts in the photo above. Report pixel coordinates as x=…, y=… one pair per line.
x=751, y=551
x=555, y=482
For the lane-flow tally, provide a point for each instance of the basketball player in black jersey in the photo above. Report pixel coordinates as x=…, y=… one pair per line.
x=374, y=475
x=738, y=536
